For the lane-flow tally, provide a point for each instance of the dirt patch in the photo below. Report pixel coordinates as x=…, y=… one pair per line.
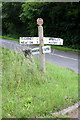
x=72, y=111
x=73, y=114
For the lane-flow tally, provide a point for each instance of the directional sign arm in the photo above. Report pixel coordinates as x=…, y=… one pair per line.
x=47, y=40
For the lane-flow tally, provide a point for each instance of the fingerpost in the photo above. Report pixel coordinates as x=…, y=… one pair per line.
x=41, y=41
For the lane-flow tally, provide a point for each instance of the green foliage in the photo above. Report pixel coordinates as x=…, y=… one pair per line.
x=60, y=20
x=11, y=20
x=27, y=91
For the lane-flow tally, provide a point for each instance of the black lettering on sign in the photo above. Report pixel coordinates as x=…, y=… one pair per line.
x=55, y=42
x=45, y=49
x=51, y=38
x=29, y=38
x=24, y=38
x=35, y=50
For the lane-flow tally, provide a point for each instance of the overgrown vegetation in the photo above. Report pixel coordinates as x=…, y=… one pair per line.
x=61, y=20
x=28, y=92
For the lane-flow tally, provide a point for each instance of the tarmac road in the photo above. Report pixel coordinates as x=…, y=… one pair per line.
x=61, y=58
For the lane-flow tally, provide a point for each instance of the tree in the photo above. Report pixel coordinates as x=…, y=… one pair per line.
x=10, y=17
x=60, y=20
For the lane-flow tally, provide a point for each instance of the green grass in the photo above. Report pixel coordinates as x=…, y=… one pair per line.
x=28, y=92
x=60, y=116
x=52, y=46
x=9, y=38
x=64, y=48
x=0, y=4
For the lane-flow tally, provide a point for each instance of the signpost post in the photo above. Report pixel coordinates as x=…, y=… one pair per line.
x=40, y=34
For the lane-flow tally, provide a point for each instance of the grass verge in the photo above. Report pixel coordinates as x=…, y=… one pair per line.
x=28, y=92
x=52, y=46
x=9, y=38
x=64, y=48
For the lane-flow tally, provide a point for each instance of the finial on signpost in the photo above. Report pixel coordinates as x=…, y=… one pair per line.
x=39, y=21
x=40, y=34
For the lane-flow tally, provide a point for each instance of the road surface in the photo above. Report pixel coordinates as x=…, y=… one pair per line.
x=61, y=58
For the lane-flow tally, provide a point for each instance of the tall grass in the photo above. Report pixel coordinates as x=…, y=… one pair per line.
x=27, y=91
x=0, y=85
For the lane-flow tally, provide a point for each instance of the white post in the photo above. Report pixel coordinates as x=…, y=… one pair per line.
x=40, y=34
